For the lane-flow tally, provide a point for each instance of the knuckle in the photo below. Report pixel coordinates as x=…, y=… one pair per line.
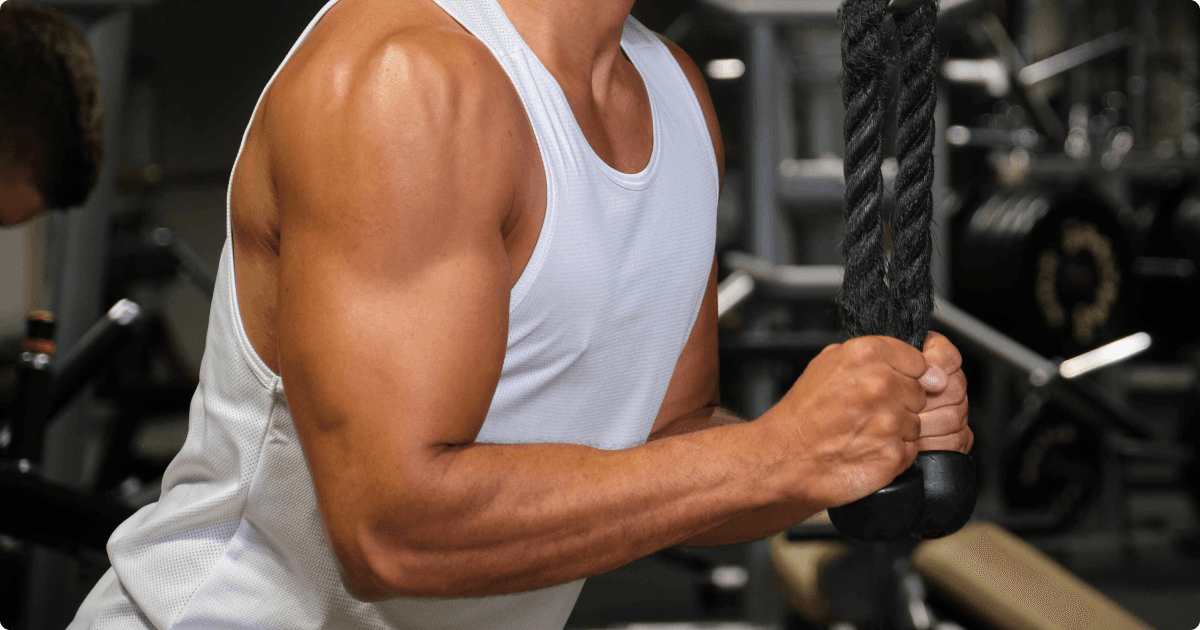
x=859, y=347
x=887, y=426
x=915, y=399
x=876, y=385
x=893, y=454
x=914, y=426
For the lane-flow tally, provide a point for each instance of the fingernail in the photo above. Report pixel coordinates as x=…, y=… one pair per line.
x=934, y=376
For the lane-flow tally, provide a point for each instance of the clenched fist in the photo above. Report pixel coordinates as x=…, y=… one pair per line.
x=851, y=422
x=863, y=409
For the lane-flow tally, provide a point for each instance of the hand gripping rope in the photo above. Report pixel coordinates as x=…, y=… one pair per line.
x=891, y=292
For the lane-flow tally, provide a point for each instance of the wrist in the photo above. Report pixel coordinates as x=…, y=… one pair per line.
x=777, y=481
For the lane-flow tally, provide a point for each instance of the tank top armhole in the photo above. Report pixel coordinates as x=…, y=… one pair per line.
x=541, y=249
x=657, y=52
x=268, y=378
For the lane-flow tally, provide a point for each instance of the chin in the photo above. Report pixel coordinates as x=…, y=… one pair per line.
x=19, y=203
x=16, y=216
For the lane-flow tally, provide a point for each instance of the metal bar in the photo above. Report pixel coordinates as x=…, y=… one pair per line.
x=968, y=327
x=820, y=182
x=809, y=11
x=1073, y=58
x=824, y=281
x=81, y=364
x=799, y=10
x=190, y=267
x=798, y=281
x=1046, y=117
x=28, y=427
x=732, y=291
x=762, y=151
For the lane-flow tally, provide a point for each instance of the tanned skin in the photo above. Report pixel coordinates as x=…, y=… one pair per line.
x=389, y=197
x=20, y=199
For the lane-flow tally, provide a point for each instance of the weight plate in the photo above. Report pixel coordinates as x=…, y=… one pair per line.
x=1050, y=269
x=1053, y=469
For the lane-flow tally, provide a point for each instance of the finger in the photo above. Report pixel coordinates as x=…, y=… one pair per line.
x=903, y=358
x=910, y=427
x=944, y=421
x=911, y=394
x=935, y=380
x=830, y=348
x=960, y=442
x=940, y=352
x=908, y=455
x=954, y=394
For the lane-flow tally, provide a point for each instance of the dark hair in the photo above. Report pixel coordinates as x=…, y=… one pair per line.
x=50, y=116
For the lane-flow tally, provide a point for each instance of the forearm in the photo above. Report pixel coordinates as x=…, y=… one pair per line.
x=753, y=525
x=509, y=518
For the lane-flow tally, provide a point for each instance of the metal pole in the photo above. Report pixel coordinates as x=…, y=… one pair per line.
x=762, y=161
x=762, y=153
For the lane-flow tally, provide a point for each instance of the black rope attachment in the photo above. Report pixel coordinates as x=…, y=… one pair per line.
x=888, y=293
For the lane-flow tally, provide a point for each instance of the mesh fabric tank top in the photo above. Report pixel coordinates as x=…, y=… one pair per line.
x=597, y=322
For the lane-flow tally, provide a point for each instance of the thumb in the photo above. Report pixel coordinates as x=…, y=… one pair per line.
x=935, y=380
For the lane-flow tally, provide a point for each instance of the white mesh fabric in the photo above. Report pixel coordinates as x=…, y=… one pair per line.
x=597, y=322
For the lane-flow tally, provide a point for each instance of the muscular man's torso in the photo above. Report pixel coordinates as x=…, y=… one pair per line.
x=614, y=117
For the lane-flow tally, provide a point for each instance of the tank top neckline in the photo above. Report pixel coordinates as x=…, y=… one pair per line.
x=633, y=181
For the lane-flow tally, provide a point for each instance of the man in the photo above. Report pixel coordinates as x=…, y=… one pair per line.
x=51, y=126
x=463, y=350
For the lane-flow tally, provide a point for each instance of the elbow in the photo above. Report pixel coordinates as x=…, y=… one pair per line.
x=361, y=576
x=375, y=570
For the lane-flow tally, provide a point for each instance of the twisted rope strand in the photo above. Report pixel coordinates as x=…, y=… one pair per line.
x=863, y=298
x=911, y=281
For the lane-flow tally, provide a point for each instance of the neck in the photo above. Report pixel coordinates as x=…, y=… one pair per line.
x=575, y=39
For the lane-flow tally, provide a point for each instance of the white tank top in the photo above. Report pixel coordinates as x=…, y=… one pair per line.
x=597, y=322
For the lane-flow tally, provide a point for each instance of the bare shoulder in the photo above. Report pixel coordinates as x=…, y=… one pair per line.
x=377, y=110
x=696, y=78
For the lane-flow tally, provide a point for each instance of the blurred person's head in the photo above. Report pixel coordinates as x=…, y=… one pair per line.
x=51, y=127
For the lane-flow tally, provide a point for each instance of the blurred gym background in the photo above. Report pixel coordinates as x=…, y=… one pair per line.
x=1067, y=217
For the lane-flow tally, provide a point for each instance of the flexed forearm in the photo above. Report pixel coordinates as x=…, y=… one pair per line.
x=753, y=525
x=488, y=519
